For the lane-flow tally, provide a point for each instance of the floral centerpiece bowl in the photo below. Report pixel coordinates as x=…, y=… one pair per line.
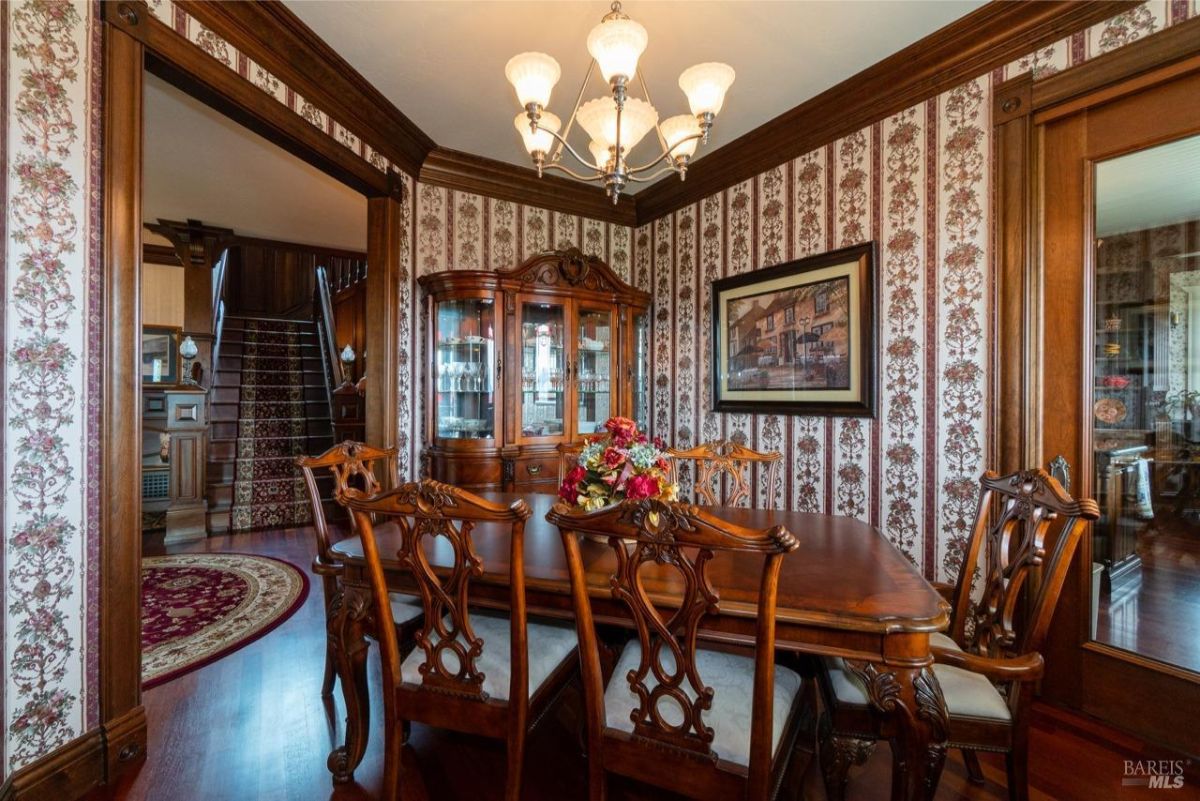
x=622, y=464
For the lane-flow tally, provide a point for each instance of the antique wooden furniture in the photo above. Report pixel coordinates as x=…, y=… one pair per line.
x=476, y=672
x=709, y=724
x=988, y=661
x=352, y=464
x=879, y=612
x=568, y=457
x=521, y=361
x=720, y=458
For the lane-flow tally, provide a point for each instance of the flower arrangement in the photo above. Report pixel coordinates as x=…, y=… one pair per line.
x=620, y=465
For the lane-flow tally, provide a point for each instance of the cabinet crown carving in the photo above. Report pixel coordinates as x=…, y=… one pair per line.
x=570, y=267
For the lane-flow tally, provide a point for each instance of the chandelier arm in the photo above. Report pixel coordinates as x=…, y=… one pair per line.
x=662, y=142
x=666, y=169
x=564, y=143
x=557, y=154
x=664, y=155
x=572, y=173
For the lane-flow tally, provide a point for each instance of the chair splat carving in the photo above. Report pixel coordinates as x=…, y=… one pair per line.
x=725, y=458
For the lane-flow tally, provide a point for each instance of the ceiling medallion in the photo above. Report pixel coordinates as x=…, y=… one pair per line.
x=618, y=122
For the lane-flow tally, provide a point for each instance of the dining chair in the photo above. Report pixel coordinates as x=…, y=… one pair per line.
x=477, y=672
x=352, y=464
x=989, y=659
x=568, y=456
x=725, y=458
x=707, y=723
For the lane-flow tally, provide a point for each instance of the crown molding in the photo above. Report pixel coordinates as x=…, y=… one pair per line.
x=276, y=38
x=470, y=173
x=988, y=37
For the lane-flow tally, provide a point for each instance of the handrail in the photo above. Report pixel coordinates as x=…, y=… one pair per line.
x=323, y=316
x=218, y=319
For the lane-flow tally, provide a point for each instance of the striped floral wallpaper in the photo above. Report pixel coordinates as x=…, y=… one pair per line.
x=919, y=184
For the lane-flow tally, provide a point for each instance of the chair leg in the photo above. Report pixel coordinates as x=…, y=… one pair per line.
x=395, y=734
x=974, y=771
x=1017, y=763
x=330, y=674
x=837, y=755
x=516, y=764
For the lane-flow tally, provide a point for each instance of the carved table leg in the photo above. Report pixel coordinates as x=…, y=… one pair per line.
x=913, y=700
x=350, y=611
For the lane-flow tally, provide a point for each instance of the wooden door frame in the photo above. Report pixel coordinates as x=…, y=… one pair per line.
x=131, y=37
x=1021, y=109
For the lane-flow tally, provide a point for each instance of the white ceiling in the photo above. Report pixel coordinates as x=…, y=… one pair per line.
x=1149, y=188
x=442, y=63
x=199, y=164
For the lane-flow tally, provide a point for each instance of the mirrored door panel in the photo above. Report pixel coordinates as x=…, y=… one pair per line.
x=543, y=369
x=593, y=370
x=1146, y=403
x=465, y=361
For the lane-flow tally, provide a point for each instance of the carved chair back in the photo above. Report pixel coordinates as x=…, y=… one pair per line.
x=568, y=456
x=684, y=537
x=724, y=458
x=1015, y=514
x=353, y=465
x=426, y=511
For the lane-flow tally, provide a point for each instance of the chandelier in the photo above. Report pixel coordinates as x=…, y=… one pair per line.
x=617, y=122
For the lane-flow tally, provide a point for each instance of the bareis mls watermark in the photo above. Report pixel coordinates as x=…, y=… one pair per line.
x=1162, y=774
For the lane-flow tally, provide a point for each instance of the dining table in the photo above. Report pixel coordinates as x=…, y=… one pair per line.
x=846, y=591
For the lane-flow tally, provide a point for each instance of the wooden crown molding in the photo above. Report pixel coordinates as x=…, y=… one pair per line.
x=275, y=37
x=272, y=35
x=988, y=37
x=469, y=173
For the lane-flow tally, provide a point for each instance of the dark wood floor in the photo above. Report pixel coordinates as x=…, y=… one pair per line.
x=252, y=727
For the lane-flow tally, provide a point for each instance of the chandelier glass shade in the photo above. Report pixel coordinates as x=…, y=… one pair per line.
x=616, y=122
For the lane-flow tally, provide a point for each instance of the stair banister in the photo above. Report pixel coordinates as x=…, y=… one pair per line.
x=323, y=316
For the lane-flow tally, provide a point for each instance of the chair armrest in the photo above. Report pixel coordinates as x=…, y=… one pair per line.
x=945, y=590
x=322, y=568
x=1027, y=667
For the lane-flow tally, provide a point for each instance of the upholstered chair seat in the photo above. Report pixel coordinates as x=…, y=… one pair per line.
x=731, y=677
x=967, y=694
x=550, y=644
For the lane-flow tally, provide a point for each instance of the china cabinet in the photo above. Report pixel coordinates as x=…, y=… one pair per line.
x=520, y=361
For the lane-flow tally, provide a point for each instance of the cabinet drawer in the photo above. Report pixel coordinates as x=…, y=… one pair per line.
x=536, y=470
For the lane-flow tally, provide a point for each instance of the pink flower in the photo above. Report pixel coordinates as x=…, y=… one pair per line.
x=568, y=492
x=641, y=487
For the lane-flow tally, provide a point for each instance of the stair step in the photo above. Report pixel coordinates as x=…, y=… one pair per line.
x=233, y=394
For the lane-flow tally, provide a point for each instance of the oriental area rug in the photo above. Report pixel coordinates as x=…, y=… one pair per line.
x=197, y=608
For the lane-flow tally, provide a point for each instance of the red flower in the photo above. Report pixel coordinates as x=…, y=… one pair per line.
x=623, y=430
x=576, y=475
x=568, y=492
x=662, y=463
x=641, y=487
x=613, y=458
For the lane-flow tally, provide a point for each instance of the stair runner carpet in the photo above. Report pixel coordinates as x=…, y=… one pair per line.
x=268, y=488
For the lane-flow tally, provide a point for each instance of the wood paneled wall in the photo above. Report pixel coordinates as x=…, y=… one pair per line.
x=276, y=279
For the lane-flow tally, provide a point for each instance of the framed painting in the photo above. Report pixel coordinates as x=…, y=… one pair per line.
x=798, y=338
x=160, y=354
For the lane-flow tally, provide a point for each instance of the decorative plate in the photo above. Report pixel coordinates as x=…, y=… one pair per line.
x=1110, y=411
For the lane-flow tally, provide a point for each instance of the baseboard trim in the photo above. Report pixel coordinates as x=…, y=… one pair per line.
x=71, y=772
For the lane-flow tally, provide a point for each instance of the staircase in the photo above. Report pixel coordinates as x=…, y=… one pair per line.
x=269, y=405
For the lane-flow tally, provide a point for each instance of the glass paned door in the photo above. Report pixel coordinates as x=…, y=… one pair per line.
x=1145, y=403
x=593, y=370
x=465, y=363
x=543, y=369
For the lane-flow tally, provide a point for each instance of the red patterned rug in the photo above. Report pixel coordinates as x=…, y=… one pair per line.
x=197, y=608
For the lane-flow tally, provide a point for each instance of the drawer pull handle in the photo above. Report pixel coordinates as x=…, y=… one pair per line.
x=533, y=469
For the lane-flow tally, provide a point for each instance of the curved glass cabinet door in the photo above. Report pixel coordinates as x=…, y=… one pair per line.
x=465, y=368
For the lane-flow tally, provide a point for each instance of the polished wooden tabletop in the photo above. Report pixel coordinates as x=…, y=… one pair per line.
x=845, y=574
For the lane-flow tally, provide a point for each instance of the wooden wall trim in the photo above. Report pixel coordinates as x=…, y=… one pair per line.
x=986, y=38
x=65, y=774
x=121, y=431
x=385, y=253
x=276, y=38
x=181, y=63
x=470, y=173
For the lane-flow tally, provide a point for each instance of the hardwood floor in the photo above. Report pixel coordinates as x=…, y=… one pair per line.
x=252, y=727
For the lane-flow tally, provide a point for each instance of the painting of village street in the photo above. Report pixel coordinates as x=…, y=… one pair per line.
x=791, y=339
